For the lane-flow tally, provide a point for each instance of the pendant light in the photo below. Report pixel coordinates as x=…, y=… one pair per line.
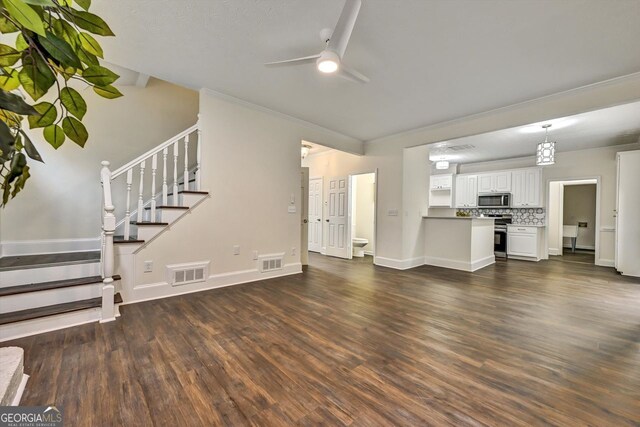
x=546, y=152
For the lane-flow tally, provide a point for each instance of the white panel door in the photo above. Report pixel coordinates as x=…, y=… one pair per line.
x=337, y=220
x=315, y=214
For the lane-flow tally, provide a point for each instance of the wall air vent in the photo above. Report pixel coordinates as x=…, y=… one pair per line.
x=184, y=274
x=272, y=262
x=461, y=147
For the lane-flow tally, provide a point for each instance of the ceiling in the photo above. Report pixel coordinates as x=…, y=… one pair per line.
x=602, y=128
x=429, y=60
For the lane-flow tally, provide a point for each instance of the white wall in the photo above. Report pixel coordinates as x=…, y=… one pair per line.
x=580, y=206
x=554, y=227
x=364, y=212
x=251, y=167
x=61, y=200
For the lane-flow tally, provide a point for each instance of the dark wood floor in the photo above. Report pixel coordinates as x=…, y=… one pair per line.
x=580, y=256
x=347, y=343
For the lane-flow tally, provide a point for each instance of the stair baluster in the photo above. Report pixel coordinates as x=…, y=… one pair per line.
x=165, y=190
x=108, y=229
x=141, y=192
x=175, y=173
x=185, y=186
x=127, y=212
x=198, y=155
x=154, y=167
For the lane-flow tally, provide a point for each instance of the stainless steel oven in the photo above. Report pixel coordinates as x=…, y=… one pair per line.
x=494, y=200
x=500, y=234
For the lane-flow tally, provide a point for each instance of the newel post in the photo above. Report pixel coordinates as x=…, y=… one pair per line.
x=108, y=230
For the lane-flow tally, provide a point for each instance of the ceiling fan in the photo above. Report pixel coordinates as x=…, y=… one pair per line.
x=329, y=61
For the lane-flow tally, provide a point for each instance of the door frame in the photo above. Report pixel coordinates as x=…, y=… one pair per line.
x=375, y=210
x=304, y=216
x=586, y=180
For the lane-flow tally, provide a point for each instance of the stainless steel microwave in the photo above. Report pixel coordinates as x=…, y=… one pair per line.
x=494, y=200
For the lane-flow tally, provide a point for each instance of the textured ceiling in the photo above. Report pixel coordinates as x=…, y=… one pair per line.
x=602, y=128
x=429, y=61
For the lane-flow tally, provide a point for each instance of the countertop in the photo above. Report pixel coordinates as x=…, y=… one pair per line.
x=528, y=225
x=456, y=217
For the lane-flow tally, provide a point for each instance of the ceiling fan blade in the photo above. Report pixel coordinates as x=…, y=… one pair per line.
x=344, y=27
x=353, y=75
x=296, y=61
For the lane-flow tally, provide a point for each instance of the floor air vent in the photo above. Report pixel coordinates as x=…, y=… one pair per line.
x=184, y=274
x=271, y=262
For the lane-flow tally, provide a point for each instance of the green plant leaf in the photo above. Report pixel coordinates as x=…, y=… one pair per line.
x=108, y=92
x=47, y=115
x=25, y=15
x=8, y=55
x=73, y=102
x=66, y=32
x=10, y=118
x=75, y=130
x=60, y=50
x=54, y=135
x=30, y=149
x=21, y=43
x=99, y=75
x=9, y=81
x=47, y=3
x=36, y=77
x=6, y=26
x=90, y=44
x=90, y=22
x=85, y=4
x=7, y=141
x=19, y=183
x=88, y=58
x=12, y=102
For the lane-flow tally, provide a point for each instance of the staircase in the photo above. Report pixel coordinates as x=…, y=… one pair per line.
x=40, y=293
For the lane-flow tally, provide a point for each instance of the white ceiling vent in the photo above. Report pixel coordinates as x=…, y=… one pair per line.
x=461, y=147
x=268, y=263
x=184, y=274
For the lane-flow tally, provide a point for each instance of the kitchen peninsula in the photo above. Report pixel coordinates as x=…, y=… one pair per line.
x=460, y=243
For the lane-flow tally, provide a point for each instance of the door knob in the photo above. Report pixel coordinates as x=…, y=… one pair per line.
x=327, y=220
x=319, y=219
x=305, y=221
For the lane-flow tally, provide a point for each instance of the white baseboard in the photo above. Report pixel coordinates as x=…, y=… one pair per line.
x=36, y=247
x=460, y=265
x=585, y=247
x=555, y=251
x=605, y=262
x=370, y=253
x=159, y=290
x=23, y=384
x=398, y=264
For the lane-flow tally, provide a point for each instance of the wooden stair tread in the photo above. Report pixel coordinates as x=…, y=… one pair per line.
x=56, y=284
x=19, y=262
x=189, y=192
x=120, y=239
x=148, y=223
x=52, y=310
x=168, y=207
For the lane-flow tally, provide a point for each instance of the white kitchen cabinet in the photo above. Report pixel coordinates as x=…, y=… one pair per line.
x=466, y=191
x=526, y=188
x=494, y=182
x=441, y=182
x=524, y=242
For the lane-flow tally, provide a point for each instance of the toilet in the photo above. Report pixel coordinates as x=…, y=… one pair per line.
x=358, y=246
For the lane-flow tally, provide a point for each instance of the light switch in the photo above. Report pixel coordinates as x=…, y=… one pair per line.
x=236, y=250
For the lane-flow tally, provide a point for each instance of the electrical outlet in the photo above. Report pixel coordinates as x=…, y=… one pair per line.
x=236, y=249
x=148, y=266
x=255, y=254
x=293, y=251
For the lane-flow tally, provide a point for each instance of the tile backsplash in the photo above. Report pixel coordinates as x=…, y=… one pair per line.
x=529, y=216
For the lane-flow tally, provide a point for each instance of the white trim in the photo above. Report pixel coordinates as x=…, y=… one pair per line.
x=605, y=262
x=585, y=247
x=251, y=105
x=370, y=253
x=398, y=264
x=554, y=252
x=49, y=273
x=18, y=397
x=153, y=291
x=41, y=325
x=49, y=246
x=460, y=265
x=607, y=229
x=142, y=81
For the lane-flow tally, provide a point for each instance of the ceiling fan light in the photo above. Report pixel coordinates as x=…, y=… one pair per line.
x=329, y=62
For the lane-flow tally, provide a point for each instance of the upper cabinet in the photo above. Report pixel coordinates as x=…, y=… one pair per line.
x=466, y=191
x=494, y=182
x=527, y=186
x=441, y=182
